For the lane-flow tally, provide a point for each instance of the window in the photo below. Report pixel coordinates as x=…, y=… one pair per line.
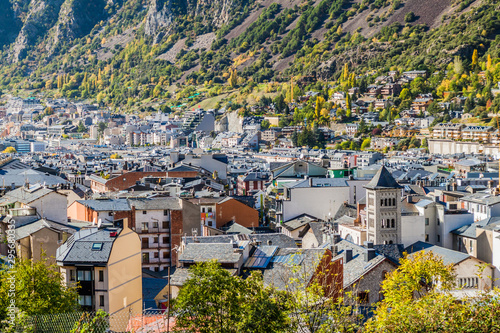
x=85, y=300
x=144, y=212
x=426, y=221
x=165, y=224
x=364, y=297
x=155, y=240
x=438, y=238
x=438, y=222
x=394, y=201
x=101, y=300
x=386, y=203
x=165, y=212
x=110, y=213
x=155, y=255
x=84, y=276
x=165, y=255
x=165, y=240
x=145, y=226
x=393, y=223
x=209, y=209
x=203, y=209
x=145, y=258
x=381, y=202
x=426, y=237
x=155, y=225
x=101, y=276
x=96, y=246
x=470, y=245
x=72, y=275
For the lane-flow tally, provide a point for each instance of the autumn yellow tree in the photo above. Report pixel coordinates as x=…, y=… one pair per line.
x=233, y=78
x=488, y=62
x=345, y=73
x=473, y=64
x=320, y=101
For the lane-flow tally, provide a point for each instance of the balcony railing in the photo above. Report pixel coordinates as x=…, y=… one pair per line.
x=155, y=246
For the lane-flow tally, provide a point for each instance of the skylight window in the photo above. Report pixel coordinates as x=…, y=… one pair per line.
x=96, y=246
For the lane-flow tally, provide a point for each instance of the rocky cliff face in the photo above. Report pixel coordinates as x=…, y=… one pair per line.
x=159, y=16
x=161, y=13
x=76, y=19
x=42, y=14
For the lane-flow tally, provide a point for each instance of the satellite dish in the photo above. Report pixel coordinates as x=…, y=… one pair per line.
x=99, y=223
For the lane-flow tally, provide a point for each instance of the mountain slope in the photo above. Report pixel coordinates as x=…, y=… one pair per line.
x=124, y=52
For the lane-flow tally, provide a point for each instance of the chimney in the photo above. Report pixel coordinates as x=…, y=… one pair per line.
x=370, y=254
x=348, y=255
x=369, y=245
x=335, y=251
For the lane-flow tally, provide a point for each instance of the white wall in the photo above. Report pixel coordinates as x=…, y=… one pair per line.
x=360, y=190
x=320, y=202
x=52, y=206
x=451, y=222
x=412, y=229
x=496, y=257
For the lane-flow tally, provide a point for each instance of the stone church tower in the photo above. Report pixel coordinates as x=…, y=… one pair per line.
x=383, y=209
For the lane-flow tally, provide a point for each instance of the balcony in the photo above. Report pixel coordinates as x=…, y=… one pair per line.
x=155, y=246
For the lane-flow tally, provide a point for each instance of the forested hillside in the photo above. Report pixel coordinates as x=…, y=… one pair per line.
x=139, y=53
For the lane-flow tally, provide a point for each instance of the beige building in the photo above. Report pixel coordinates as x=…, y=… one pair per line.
x=472, y=275
x=106, y=262
x=447, y=131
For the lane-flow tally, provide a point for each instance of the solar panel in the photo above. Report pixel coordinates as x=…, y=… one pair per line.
x=261, y=257
x=289, y=259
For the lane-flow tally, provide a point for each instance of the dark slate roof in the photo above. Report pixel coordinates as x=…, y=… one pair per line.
x=346, y=209
x=181, y=275
x=156, y=203
x=20, y=177
x=318, y=230
x=298, y=222
x=482, y=198
x=201, y=252
x=277, y=239
x=78, y=248
x=282, y=272
x=30, y=228
x=469, y=230
x=382, y=180
x=235, y=228
x=357, y=267
x=100, y=205
x=393, y=252
x=28, y=195
x=318, y=182
x=448, y=256
x=254, y=176
x=183, y=168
